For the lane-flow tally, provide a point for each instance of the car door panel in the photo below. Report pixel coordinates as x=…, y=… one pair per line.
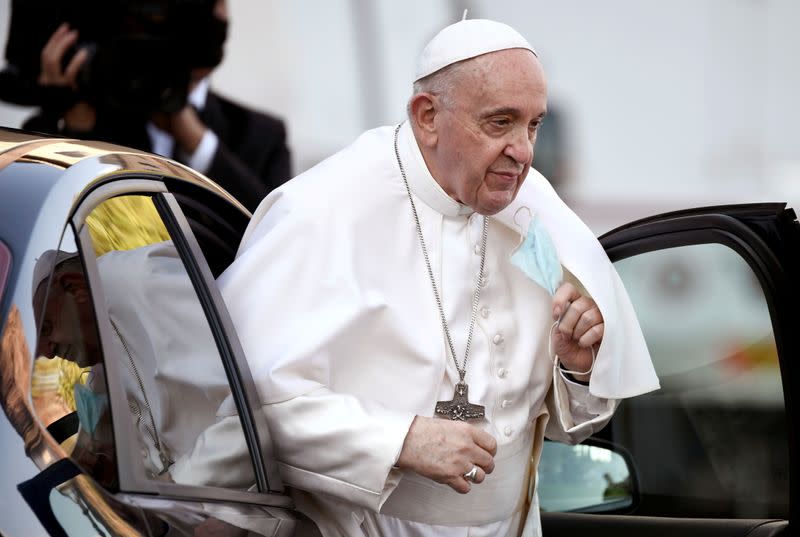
x=615, y=525
x=765, y=240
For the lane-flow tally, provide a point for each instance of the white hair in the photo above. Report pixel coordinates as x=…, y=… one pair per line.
x=441, y=83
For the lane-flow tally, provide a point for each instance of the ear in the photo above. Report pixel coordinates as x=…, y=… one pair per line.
x=423, y=108
x=75, y=284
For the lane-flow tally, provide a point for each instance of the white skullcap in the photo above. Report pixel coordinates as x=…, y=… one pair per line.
x=467, y=39
x=46, y=263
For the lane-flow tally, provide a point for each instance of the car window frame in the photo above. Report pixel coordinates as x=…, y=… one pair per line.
x=728, y=226
x=763, y=235
x=242, y=385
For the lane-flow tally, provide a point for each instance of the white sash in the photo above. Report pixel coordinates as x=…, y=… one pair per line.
x=502, y=493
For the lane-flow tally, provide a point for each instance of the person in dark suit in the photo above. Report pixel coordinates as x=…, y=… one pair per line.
x=243, y=150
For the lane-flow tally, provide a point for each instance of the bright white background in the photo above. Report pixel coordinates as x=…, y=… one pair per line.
x=667, y=104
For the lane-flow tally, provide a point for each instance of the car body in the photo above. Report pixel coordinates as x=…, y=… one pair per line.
x=81, y=224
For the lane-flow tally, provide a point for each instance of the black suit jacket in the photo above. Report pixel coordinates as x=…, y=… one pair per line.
x=252, y=157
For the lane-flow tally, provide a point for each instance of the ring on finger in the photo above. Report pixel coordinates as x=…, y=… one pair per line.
x=472, y=474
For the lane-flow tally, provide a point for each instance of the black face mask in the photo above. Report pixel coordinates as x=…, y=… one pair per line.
x=208, y=43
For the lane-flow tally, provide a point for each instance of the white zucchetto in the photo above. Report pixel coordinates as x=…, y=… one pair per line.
x=467, y=39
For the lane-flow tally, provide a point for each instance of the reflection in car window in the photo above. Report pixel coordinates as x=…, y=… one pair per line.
x=583, y=478
x=175, y=386
x=67, y=384
x=174, y=381
x=712, y=441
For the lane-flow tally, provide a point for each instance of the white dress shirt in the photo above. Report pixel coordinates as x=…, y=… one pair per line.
x=162, y=143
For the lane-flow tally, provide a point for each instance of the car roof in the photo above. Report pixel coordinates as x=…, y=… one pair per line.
x=22, y=146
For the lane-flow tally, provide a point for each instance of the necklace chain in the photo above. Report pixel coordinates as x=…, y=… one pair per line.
x=475, y=297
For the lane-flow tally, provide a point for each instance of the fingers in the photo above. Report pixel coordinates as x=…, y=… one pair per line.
x=52, y=54
x=75, y=64
x=582, y=320
x=444, y=451
x=485, y=440
x=562, y=298
x=592, y=336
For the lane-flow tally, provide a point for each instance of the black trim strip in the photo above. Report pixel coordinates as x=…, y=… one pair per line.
x=200, y=275
x=36, y=492
x=776, y=276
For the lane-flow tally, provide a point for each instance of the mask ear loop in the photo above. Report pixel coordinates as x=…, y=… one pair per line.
x=522, y=230
x=554, y=357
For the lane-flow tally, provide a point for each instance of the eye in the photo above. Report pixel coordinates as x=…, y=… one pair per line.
x=500, y=122
x=533, y=128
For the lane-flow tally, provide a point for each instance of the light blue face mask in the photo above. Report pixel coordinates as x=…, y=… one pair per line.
x=90, y=405
x=538, y=259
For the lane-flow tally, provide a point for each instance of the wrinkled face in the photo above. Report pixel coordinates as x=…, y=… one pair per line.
x=485, y=136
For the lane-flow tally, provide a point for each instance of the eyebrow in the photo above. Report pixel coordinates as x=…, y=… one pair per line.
x=507, y=110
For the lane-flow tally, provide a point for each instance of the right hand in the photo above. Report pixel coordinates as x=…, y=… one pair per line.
x=52, y=74
x=444, y=450
x=81, y=116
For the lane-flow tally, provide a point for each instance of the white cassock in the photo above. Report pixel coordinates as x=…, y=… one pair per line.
x=334, y=308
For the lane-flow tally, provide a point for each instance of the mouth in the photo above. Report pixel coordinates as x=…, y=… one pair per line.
x=507, y=178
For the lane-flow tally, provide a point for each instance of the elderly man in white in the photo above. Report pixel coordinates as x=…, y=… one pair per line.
x=399, y=344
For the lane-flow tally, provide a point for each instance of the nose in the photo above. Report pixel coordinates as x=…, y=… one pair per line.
x=519, y=147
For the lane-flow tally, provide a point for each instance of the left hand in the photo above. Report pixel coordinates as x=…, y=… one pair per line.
x=581, y=329
x=184, y=125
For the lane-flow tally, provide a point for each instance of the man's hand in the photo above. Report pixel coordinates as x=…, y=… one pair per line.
x=581, y=328
x=81, y=116
x=52, y=74
x=444, y=450
x=184, y=125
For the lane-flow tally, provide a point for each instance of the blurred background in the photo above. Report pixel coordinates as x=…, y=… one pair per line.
x=654, y=105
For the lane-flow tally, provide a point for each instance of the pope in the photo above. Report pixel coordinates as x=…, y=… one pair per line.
x=420, y=310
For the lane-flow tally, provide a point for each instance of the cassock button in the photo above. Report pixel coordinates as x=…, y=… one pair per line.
x=497, y=339
x=502, y=372
x=508, y=431
x=485, y=311
x=506, y=403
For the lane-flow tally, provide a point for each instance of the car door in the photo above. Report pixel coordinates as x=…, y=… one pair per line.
x=156, y=372
x=713, y=452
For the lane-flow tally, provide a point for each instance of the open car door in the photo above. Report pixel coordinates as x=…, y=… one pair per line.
x=714, y=451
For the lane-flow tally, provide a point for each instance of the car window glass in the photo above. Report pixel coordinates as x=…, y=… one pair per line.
x=68, y=388
x=712, y=441
x=583, y=478
x=175, y=387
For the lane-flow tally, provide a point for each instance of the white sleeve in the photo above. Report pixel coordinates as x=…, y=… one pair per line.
x=576, y=414
x=330, y=443
x=203, y=154
x=301, y=315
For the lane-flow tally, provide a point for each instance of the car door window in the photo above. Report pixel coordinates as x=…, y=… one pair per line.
x=171, y=386
x=712, y=441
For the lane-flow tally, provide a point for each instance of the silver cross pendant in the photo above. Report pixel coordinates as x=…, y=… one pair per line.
x=459, y=408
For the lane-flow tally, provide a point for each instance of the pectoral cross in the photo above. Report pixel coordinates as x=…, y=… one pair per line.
x=459, y=407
